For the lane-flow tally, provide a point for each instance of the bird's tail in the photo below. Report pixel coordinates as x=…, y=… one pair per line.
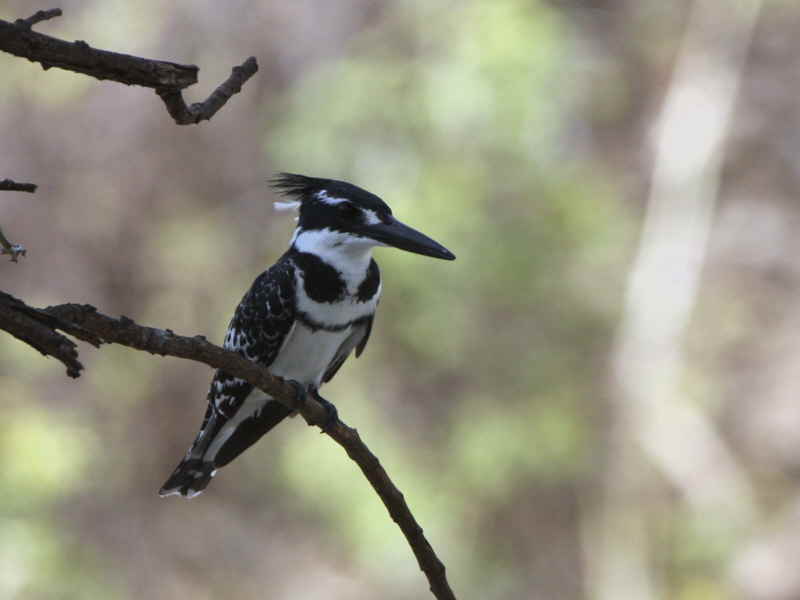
x=189, y=479
x=199, y=465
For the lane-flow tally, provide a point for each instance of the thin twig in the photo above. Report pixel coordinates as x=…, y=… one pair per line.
x=7, y=247
x=203, y=111
x=15, y=250
x=7, y=185
x=164, y=342
x=395, y=503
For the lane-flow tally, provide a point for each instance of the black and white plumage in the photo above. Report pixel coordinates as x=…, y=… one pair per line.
x=301, y=318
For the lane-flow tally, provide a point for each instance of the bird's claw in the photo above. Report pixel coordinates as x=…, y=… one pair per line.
x=332, y=414
x=300, y=394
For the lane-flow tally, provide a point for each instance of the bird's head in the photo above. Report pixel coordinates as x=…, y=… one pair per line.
x=340, y=214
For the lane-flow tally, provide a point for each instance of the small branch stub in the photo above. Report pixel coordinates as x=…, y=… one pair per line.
x=7, y=185
x=41, y=15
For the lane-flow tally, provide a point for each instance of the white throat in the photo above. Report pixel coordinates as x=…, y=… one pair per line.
x=350, y=255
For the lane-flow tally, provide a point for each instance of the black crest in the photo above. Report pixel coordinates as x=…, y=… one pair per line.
x=305, y=189
x=298, y=186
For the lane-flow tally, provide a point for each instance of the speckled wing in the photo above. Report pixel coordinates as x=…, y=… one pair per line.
x=238, y=415
x=257, y=331
x=259, y=326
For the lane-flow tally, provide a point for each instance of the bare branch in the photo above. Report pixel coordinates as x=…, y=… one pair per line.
x=7, y=185
x=203, y=111
x=167, y=78
x=88, y=324
x=165, y=342
x=81, y=58
x=395, y=503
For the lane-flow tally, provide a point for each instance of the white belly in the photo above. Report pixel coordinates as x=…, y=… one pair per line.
x=306, y=354
x=304, y=357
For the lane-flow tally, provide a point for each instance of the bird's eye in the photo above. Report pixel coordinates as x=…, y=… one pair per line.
x=348, y=211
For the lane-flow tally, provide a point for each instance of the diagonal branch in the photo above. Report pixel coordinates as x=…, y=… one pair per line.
x=85, y=323
x=167, y=78
x=395, y=503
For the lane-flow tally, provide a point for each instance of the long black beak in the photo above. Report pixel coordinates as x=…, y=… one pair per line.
x=400, y=235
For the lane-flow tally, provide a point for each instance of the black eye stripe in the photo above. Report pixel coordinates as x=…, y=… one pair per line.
x=348, y=210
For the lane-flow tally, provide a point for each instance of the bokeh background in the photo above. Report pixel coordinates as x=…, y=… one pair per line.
x=598, y=399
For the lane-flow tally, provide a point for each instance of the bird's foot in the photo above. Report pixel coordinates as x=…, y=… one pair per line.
x=300, y=394
x=332, y=414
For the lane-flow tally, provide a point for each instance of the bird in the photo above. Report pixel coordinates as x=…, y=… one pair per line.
x=301, y=318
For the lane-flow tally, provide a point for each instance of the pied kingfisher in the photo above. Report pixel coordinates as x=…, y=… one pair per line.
x=301, y=318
